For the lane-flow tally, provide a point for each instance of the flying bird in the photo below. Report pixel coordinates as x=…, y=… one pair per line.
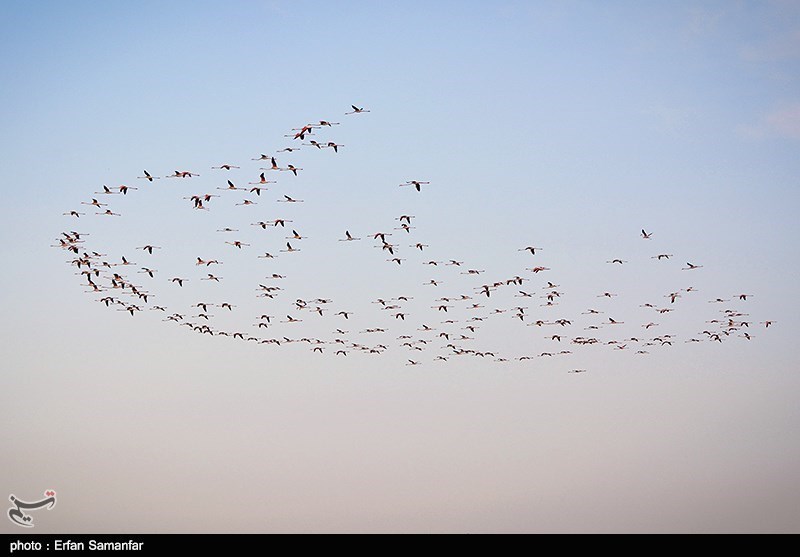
x=417, y=184
x=356, y=110
x=147, y=176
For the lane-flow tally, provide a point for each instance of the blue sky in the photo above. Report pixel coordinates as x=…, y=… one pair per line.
x=569, y=126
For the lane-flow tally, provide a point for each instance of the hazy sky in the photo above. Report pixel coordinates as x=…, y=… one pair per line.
x=569, y=126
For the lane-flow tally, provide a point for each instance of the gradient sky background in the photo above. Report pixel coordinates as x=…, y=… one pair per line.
x=565, y=125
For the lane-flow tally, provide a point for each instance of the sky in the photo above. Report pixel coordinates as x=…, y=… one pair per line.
x=568, y=126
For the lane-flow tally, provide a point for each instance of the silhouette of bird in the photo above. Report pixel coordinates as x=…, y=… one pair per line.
x=148, y=177
x=417, y=184
x=356, y=110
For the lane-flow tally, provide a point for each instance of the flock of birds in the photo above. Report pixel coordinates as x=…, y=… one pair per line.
x=442, y=327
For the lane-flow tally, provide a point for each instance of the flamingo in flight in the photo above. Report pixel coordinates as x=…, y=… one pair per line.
x=293, y=169
x=237, y=243
x=147, y=176
x=416, y=183
x=231, y=186
x=301, y=132
x=148, y=248
x=356, y=110
x=106, y=191
x=182, y=174
x=262, y=179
